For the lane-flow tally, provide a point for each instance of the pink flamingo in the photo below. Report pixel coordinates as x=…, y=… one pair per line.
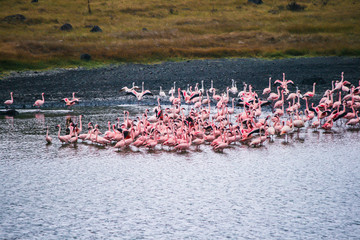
x=353, y=121
x=74, y=99
x=47, y=137
x=284, y=83
x=328, y=125
x=177, y=100
x=100, y=140
x=267, y=90
x=316, y=123
x=184, y=145
x=310, y=94
x=350, y=115
x=85, y=135
x=69, y=103
x=258, y=141
x=38, y=103
x=207, y=99
x=286, y=130
x=140, y=95
x=64, y=138
x=216, y=97
x=212, y=89
x=221, y=145
x=279, y=103
x=151, y=144
x=274, y=96
x=10, y=101
x=74, y=139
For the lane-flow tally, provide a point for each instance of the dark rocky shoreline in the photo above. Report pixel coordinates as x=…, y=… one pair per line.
x=102, y=85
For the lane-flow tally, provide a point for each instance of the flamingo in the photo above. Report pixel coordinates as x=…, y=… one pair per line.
x=10, y=101
x=271, y=132
x=202, y=90
x=353, y=121
x=316, y=123
x=328, y=125
x=140, y=95
x=120, y=144
x=128, y=90
x=350, y=115
x=284, y=83
x=286, y=130
x=267, y=90
x=40, y=102
x=198, y=141
x=207, y=99
x=212, y=89
x=177, y=100
x=85, y=135
x=100, y=140
x=258, y=141
x=162, y=93
x=279, y=103
x=221, y=145
x=310, y=94
x=274, y=96
x=74, y=139
x=184, y=145
x=47, y=137
x=74, y=99
x=298, y=123
x=69, y=102
x=172, y=90
x=64, y=138
x=233, y=88
x=151, y=144
x=216, y=97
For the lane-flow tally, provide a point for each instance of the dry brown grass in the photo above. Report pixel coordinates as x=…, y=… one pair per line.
x=177, y=29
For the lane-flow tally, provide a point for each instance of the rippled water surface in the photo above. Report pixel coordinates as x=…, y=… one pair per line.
x=308, y=188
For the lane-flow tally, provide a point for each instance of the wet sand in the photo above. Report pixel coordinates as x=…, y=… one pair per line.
x=102, y=85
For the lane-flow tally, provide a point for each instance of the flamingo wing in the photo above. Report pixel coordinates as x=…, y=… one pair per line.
x=265, y=103
x=339, y=115
x=194, y=95
x=133, y=93
x=147, y=92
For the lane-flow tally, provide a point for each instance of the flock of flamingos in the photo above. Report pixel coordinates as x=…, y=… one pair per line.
x=179, y=129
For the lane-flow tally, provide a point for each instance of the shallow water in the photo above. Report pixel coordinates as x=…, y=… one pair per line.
x=308, y=188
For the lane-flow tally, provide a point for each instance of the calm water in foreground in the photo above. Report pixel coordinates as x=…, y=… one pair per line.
x=306, y=189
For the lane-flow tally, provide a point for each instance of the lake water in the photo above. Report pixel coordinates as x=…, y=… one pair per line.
x=308, y=188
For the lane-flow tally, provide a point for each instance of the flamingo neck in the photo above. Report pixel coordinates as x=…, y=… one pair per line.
x=80, y=123
x=270, y=83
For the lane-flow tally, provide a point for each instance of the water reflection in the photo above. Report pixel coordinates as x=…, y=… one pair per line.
x=279, y=190
x=10, y=121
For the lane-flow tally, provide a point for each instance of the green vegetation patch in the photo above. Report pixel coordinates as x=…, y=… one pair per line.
x=157, y=30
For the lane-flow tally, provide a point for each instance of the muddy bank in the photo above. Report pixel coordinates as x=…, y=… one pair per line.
x=101, y=86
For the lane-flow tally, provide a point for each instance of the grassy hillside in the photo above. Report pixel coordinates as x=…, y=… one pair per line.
x=152, y=30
